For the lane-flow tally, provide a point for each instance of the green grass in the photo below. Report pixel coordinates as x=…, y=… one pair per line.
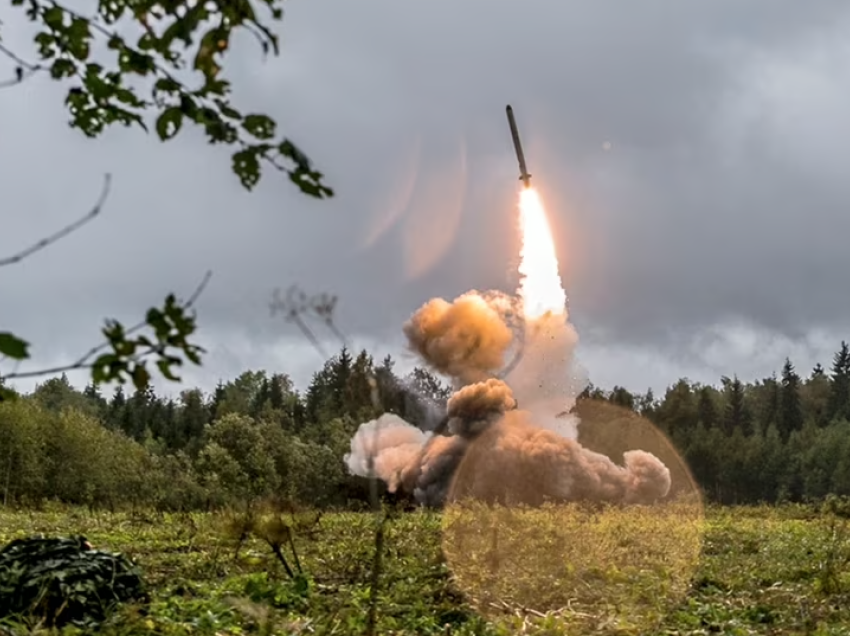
x=743, y=571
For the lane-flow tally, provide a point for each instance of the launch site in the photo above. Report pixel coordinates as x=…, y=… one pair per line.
x=418, y=319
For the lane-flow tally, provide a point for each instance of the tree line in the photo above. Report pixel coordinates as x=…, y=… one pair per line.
x=254, y=436
x=784, y=438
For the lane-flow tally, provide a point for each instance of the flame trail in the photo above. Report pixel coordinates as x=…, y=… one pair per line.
x=546, y=380
x=516, y=439
x=540, y=288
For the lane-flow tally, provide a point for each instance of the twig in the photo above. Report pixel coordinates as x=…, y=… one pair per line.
x=193, y=297
x=380, y=518
x=372, y=617
x=49, y=240
x=322, y=306
x=294, y=550
x=83, y=361
x=23, y=69
x=8, y=476
x=280, y=557
x=292, y=308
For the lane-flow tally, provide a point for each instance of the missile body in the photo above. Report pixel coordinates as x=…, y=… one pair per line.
x=523, y=171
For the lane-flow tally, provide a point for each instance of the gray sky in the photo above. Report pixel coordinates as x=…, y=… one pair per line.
x=691, y=157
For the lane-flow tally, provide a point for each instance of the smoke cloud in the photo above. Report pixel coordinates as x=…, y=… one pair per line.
x=515, y=461
x=466, y=340
x=476, y=406
x=512, y=439
x=391, y=443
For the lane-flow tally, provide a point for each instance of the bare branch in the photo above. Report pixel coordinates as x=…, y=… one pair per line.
x=23, y=69
x=85, y=361
x=322, y=306
x=49, y=240
x=193, y=297
x=20, y=76
x=297, y=303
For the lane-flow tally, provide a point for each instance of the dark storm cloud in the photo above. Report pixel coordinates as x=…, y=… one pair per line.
x=714, y=201
x=690, y=236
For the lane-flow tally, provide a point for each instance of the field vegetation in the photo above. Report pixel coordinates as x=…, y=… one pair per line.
x=237, y=506
x=177, y=483
x=754, y=570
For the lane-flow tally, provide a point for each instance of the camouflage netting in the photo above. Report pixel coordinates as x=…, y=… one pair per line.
x=64, y=580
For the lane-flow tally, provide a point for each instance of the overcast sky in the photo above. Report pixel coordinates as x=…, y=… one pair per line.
x=692, y=158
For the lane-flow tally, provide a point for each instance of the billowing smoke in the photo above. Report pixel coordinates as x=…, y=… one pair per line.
x=515, y=461
x=391, y=443
x=510, y=439
x=466, y=340
x=477, y=406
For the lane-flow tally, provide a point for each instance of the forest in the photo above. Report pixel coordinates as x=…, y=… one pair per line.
x=783, y=438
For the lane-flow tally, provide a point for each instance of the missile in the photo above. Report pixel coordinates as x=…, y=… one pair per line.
x=523, y=171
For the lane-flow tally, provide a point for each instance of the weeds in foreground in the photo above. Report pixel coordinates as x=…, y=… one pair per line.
x=276, y=523
x=573, y=565
x=758, y=573
x=832, y=571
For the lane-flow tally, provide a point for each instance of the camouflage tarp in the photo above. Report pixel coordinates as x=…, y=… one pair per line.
x=64, y=580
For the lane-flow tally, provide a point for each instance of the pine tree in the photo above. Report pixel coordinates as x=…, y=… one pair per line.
x=281, y=386
x=216, y=401
x=341, y=368
x=840, y=395
x=768, y=413
x=170, y=426
x=242, y=394
x=357, y=400
x=192, y=417
x=815, y=397
x=677, y=412
x=390, y=388
x=706, y=408
x=92, y=394
x=297, y=408
x=261, y=398
x=318, y=393
x=157, y=418
x=117, y=409
x=138, y=413
x=591, y=392
x=647, y=405
x=790, y=408
x=622, y=397
x=737, y=415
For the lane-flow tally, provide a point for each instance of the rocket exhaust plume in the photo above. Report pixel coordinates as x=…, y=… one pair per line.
x=512, y=438
x=518, y=428
x=540, y=288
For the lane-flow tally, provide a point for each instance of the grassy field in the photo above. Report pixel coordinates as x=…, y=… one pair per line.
x=741, y=571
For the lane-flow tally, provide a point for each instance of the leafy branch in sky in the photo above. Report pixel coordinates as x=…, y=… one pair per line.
x=123, y=354
x=174, y=37
x=165, y=75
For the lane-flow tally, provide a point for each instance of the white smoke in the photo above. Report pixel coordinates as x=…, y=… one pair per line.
x=391, y=442
x=514, y=441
